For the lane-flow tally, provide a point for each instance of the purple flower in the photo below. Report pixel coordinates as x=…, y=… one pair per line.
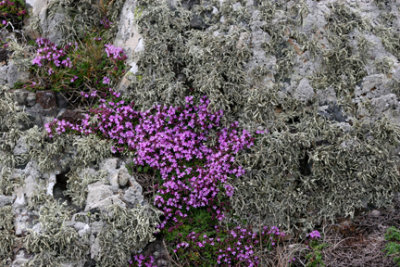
x=314, y=234
x=106, y=80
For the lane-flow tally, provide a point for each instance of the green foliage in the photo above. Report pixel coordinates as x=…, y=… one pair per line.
x=315, y=258
x=392, y=248
x=89, y=65
x=12, y=11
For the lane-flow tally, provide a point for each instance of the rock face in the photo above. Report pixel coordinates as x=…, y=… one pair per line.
x=324, y=74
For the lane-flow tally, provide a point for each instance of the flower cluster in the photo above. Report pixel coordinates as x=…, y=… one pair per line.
x=172, y=140
x=314, y=234
x=141, y=260
x=11, y=11
x=49, y=52
x=77, y=69
x=224, y=247
x=116, y=53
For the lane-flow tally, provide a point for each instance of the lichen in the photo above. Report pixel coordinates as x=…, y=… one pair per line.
x=7, y=236
x=294, y=174
x=126, y=231
x=84, y=16
x=56, y=242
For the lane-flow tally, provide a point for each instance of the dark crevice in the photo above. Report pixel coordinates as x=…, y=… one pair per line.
x=61, y=186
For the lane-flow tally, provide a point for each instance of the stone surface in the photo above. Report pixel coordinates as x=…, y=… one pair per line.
x=304, y=91
x=133, y=195
x=98, y=196
x=128, y=35
x=15, y=74
x=46, y=99
x=72, y=116
x=5, y=200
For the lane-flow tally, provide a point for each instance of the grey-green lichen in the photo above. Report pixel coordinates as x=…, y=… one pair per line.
x=84, y=16
x=7, y=236
x=126, y=231
x=56, y=242
x=310, y=167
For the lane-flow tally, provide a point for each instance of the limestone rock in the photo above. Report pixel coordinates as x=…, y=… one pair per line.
x=98, y=196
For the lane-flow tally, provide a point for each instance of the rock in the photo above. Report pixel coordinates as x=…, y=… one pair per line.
x=72, y=116
x=49, y=25
x=128, y=35
x=3, y=74
x=14, y=74
x=20, y=259
x=98, y=196
x=133, y=195
x=113, y=179
x=20, y=198
x=46, y=99
x=21, y=221
x=61, y=100
x=334, y=112
x=20, y=96
x=372, y=86
x=198, y=23
x=5, y=200
x=21, y=147
x=375, y=213
x=123, y=176
x=304, y=92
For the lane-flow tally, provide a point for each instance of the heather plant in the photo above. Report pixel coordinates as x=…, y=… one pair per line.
x=314, y=257
x=12, y=13
x=193, y=190
x=392, y=248
x=172, y=140
x=77, y=69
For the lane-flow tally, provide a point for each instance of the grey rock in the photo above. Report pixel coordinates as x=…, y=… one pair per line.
x=20, y=259
x=99, y=196
x=50, y=25
x=133, y=195
x=304, y=91
x=128, y=35
x=3, y=74
x=197, y=22
x=14, y=74
x=21, y=147
x=123, y=176
x=375, y=213
x=5, y=200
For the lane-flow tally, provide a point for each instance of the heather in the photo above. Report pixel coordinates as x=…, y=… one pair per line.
x=77, y=69
x=12, y=12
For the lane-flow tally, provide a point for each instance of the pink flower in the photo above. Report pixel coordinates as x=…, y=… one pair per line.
x=314, y=234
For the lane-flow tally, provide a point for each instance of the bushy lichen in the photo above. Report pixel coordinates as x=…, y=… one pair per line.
x=126, y=231
x=294, y=172
x=7, y=236
x=85, y=16
x=56, y=242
